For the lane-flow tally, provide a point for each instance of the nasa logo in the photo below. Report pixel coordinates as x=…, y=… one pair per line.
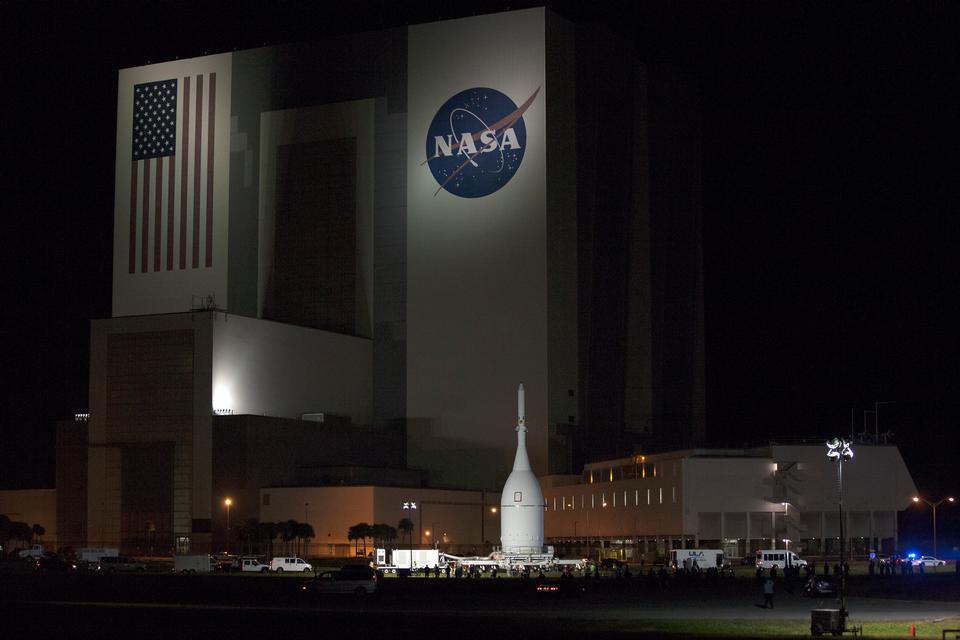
x=476, y=142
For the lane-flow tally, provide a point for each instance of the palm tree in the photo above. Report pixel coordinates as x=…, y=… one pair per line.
x=365, y=530
x=250, y=533
x=353, y=534
x=21, y=532
x=378, y=533
x=38, y=531
x=5, y=524
x=288, y=531
x=390, y=533
x=406, y=528
x=305, y=532
x=268, y=532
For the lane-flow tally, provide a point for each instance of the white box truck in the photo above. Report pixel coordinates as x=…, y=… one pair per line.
x=90, y=556
x=192, y=563
x=704, y=558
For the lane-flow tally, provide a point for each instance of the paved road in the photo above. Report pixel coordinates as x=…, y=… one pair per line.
x=716, y=607
x=146, y=607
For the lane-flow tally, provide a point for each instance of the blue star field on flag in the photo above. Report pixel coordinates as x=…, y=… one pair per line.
x=154, y=119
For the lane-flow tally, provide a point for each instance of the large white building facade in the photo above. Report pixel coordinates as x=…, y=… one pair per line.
x=779, y=496
x=389, y=231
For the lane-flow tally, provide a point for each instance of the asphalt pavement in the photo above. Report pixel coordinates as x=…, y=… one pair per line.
x=164, y=606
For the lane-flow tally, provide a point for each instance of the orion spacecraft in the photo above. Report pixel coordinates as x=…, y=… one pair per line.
x=521, y=503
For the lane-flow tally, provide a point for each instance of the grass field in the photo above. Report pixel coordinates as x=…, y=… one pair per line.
x=774, y=629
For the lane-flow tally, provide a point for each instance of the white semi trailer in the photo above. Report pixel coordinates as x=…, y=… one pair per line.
x=395, y=560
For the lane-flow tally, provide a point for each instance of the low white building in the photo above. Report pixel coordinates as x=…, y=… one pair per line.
x=452, y=520
x=739, y=500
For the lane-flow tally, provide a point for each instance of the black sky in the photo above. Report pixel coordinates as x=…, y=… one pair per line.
x=830, y=188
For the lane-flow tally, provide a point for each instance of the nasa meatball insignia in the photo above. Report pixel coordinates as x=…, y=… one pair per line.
x=476, y=142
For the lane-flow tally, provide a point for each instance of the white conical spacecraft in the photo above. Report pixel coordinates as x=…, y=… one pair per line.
x=521, y=503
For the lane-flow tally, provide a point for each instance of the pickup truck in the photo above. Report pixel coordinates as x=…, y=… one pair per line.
x=254, y=565
x=33, y=552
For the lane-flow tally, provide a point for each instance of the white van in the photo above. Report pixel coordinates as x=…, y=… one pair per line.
x=297, y=565
x=779, y=558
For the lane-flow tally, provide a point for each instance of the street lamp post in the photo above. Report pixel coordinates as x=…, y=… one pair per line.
x=228, y=502
x=933, y=505
x=839, y=450
x=306, y=520
x=412, y=506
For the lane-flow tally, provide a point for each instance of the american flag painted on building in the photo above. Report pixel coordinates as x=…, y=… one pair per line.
x=172, y=174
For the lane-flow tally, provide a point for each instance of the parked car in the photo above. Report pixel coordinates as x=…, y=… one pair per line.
x=52, y=563
x=819, y=587
x=883, y=559
x=298, y=565
x=928, y=561
x=120, y=564
x=611, y=564
x=350, y=579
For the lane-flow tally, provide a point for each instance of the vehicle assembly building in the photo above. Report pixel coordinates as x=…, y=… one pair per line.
x=374, y=236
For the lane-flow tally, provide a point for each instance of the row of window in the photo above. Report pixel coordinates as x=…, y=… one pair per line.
x=613, y=499
x=639, y=469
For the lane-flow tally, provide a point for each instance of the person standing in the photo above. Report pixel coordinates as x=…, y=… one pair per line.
x=768, y=593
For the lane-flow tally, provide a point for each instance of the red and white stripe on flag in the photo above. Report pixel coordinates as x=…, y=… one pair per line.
x=171, y=174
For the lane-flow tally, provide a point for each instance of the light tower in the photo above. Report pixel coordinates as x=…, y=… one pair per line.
x=839, y=451
x=521, y=503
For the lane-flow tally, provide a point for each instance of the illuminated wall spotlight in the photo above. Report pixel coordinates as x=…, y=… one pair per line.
x=839, y=449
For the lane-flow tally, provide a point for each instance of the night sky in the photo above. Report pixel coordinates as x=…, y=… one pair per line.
x=830, y=198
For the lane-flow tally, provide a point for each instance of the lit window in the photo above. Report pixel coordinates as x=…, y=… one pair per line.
x=643, y=470
x=591, y=476
x=563, y=503
x=554, y=503
x=654, y=471
x=636, y=498
x=593, y=503
x=611, y=474
x=624, y=498
x=661, y=495
x=648, y=496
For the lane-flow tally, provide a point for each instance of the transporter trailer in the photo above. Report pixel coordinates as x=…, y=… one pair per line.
x=396, y=560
